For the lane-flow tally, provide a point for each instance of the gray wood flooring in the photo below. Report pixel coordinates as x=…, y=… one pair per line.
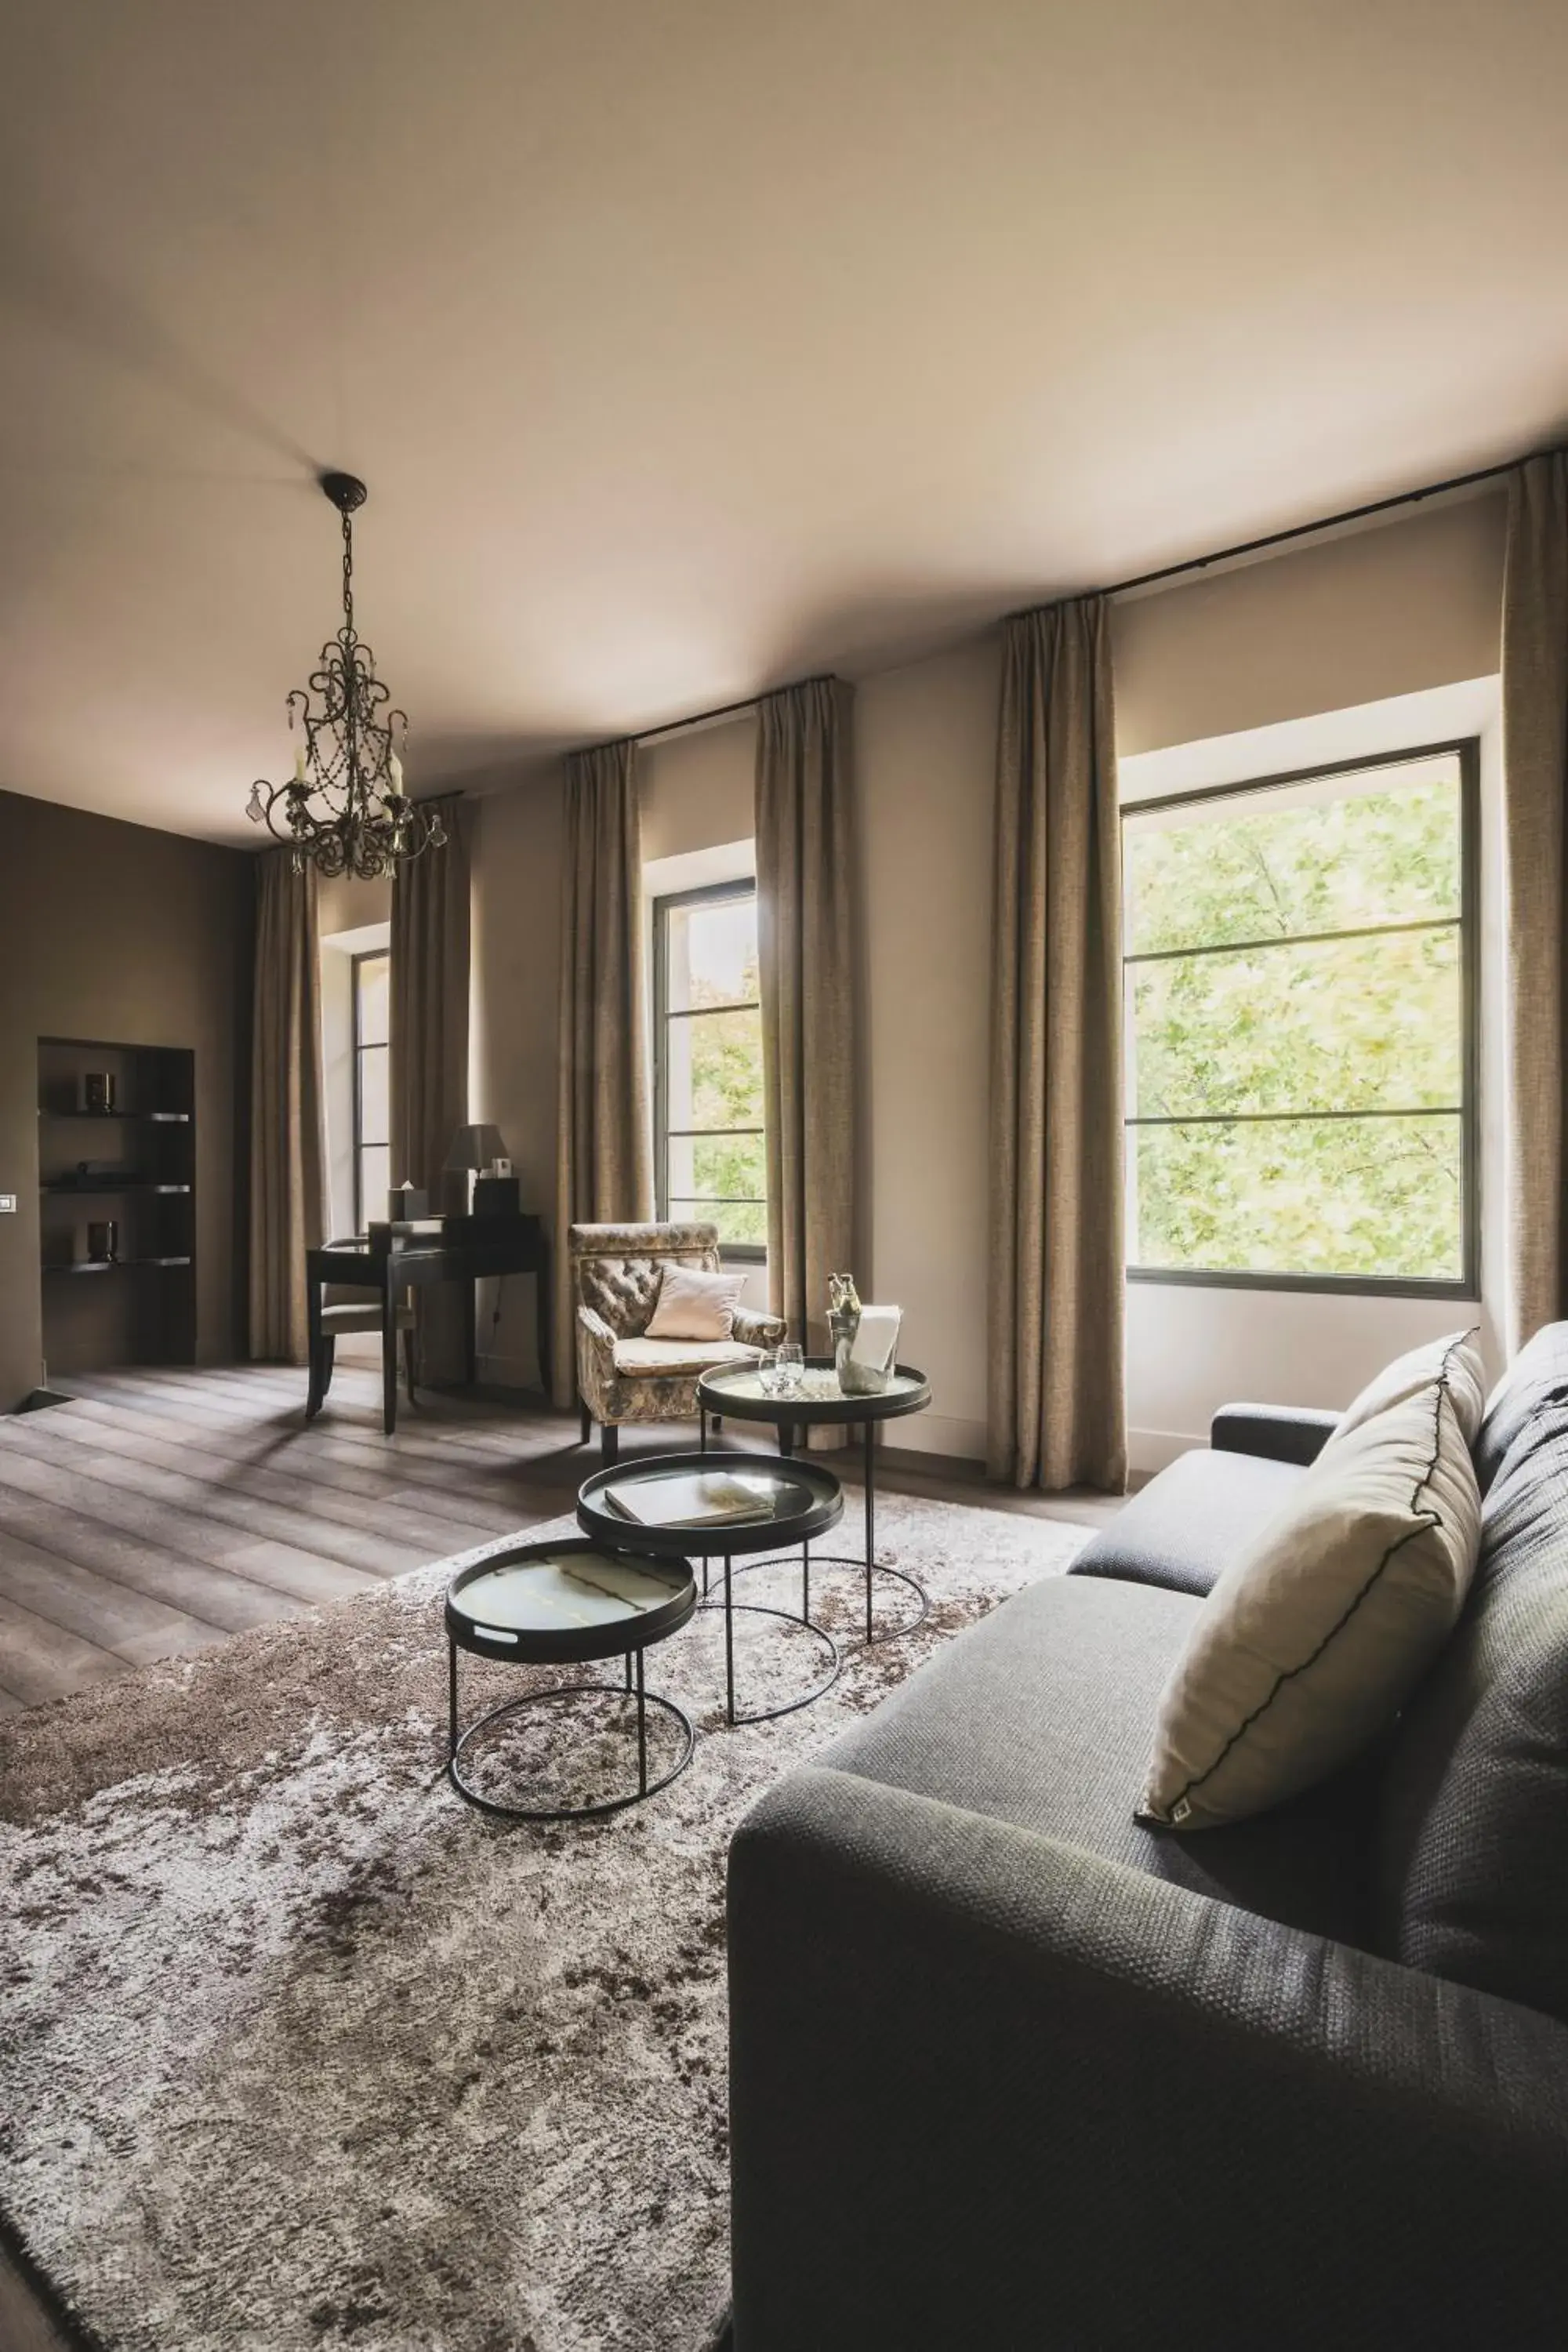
x=160, y=1511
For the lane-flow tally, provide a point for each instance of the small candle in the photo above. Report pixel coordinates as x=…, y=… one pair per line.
x=394, y=769
x=300, y=763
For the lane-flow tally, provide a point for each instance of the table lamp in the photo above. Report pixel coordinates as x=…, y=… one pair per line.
x=477, y=1147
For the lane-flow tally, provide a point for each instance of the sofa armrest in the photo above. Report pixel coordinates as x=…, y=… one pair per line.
x=754, y=1329
x=988, y=2088
x=1281, y=1433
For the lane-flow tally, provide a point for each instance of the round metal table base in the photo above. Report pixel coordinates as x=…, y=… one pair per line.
x=645, y=1788
x=732, y=1609
x=878, y=1567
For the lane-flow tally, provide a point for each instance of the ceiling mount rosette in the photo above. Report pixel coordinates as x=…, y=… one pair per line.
x=344, y=809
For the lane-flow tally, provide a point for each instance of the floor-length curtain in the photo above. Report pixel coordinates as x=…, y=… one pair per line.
x=287, y=1146
x=806, y=900
x=604, y=1163
x=1057, y=1412
x=1535, y=770
x=428, y=1061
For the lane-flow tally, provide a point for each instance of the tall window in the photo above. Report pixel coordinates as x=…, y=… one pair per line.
x=1301, y=1027
x=708, y=1076
x=371, y=1113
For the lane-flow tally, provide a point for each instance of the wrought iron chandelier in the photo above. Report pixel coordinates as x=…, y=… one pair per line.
x=345, y=810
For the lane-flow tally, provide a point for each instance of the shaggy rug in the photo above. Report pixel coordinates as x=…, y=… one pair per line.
x=299, y=2051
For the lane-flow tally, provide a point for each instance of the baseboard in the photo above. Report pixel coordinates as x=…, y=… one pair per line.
x=1148, y=1450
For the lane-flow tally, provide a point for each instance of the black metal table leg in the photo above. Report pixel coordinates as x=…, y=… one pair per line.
x=451, y=1699
x=642, y=1731
x=870, y=1518
x=729, y=1641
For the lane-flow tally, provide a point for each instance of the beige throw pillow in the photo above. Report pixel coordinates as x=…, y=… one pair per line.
x=1409, y=1374
x=1313, y=1639
x=695, y=1305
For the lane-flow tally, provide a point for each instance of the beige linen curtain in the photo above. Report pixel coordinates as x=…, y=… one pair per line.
x=428, y=1059
x=1057, y=1412
x=1535, y=770
x=288, y=1148
x=805, y=848
x=604, y=1163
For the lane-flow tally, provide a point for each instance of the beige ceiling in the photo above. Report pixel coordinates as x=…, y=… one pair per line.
x=688, y=345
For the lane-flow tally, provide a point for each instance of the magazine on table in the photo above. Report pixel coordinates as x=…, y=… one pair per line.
x=685, y=1498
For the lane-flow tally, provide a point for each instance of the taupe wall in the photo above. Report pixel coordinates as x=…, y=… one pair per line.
x=113, y=931
x=1393, y=610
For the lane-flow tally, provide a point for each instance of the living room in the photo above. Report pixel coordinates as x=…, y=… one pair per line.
x=784, y=1317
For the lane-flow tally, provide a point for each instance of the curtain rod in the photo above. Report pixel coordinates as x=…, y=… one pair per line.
x=1121, y=587
x=1302, y=530
x=720, y=711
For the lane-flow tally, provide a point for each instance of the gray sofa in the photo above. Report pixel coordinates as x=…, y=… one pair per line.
x=1008, y=2070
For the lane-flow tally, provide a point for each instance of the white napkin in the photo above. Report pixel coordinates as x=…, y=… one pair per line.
x=876, y=1343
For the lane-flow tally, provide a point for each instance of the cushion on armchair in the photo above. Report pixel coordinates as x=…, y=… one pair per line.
x=695, y=1305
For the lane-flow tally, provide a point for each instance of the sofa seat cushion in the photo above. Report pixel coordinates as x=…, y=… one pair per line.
x=664, y=1357
x=1185, y=1526
x=1042, y=1715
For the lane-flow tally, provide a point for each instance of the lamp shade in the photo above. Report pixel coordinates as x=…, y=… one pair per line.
x=475, y=1147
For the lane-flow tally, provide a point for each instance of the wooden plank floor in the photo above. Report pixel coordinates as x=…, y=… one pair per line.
x=162, y=1510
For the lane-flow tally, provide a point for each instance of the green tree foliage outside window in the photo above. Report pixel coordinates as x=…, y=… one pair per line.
x=713, y=1164
x=1296, y=1029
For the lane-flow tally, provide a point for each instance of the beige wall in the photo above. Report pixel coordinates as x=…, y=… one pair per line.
x=1388, y=611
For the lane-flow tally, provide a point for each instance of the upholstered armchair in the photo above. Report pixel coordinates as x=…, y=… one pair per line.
x=622, y=1375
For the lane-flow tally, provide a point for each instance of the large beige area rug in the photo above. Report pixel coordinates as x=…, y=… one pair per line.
x=299, y=2051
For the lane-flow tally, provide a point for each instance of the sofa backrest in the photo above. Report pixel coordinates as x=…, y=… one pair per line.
x=1471, y=1863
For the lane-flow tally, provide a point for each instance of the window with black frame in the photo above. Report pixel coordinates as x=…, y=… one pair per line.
x=710, y=1160
x=372, y=986
x=1300, y=1029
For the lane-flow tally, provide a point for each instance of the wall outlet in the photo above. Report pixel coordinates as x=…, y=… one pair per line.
x=7, y=1204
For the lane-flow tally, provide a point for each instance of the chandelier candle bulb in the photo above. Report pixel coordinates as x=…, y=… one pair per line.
x=394, y=769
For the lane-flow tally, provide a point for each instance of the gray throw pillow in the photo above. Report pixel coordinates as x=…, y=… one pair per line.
x=1311, y=1641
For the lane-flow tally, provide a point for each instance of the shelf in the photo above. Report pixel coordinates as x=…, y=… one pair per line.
x=111, y=1265
x=156, y=1118
x=135, y=1184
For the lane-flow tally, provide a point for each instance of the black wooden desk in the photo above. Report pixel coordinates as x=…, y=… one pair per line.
x=396, y=1258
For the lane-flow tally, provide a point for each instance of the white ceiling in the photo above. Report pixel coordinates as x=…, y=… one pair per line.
x=691, y=345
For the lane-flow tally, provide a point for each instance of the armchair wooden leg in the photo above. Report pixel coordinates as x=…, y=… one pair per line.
x=409, y=1337
x=587, y=1421
x=609, y=1444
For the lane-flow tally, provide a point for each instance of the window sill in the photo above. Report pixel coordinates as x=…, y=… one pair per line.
x=1329, y=1285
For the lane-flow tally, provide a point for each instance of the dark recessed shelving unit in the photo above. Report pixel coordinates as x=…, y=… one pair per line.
x=131, y=1184
x=111, y=1265
x=139, y=1176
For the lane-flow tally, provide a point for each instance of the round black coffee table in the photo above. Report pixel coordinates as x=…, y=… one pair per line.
x=566, y=1604
x=735, y=1392
x=796, y=1502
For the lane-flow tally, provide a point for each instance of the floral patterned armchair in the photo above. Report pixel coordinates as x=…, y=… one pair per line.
x=623, y=1375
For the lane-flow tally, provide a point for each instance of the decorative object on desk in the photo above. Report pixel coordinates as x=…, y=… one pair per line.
x=843, y=1316
x=407, y=1201
x=863, y=1366
x=474, y=1147
x=344, y=810
x=501, y=1165
x=497, y=1196
x=97, y=1090
x=103, y=1242
x=693, y=1304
